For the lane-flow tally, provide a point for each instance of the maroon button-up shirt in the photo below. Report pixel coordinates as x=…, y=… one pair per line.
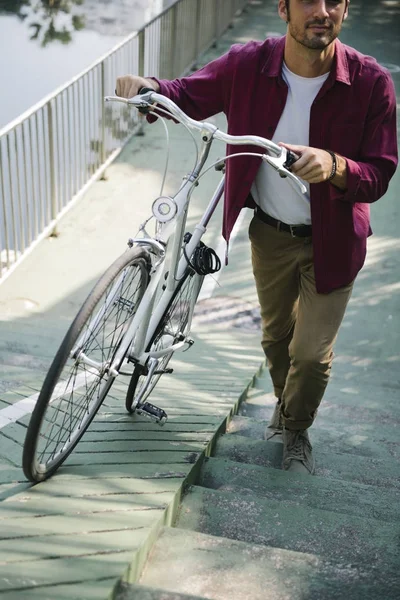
x=354, y=114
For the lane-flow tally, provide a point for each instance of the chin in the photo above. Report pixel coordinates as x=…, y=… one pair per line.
x=318, y=43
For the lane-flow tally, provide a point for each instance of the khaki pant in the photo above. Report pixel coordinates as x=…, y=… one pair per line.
x=299, y=326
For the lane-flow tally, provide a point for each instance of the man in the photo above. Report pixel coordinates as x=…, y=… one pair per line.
x=336, y=109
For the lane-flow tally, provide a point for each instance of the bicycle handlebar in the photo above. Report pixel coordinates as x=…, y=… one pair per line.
x=281, y=160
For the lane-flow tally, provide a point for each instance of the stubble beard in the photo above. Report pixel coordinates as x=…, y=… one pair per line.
x=313, y=43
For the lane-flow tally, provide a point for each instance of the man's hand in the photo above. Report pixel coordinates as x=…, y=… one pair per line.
x=129, y=85
x=315, y=165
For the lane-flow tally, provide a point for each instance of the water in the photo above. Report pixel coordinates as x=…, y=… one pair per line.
x=43, y=43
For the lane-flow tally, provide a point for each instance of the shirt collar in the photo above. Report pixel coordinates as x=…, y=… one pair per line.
x=273, y=65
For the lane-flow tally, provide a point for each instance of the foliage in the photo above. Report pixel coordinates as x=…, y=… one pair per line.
x=48, y=20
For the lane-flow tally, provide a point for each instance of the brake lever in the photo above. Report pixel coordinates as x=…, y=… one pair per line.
x=144, y=109
x=282, y=164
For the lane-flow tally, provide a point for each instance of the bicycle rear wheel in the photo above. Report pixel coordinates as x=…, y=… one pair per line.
x=78, y=379
x=172, y=328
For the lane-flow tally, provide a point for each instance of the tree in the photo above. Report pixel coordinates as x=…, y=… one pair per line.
x=48, y=20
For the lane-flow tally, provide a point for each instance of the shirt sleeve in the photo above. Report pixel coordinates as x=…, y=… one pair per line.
x=202, y=94
x=368, y=178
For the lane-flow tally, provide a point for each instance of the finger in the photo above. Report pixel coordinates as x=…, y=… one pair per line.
x=118, y=86
x=300, y=165
x=293, y=147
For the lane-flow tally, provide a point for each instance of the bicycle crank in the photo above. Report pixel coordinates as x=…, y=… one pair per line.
x=152, y=412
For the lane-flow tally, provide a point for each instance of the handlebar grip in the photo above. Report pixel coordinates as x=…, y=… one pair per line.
x=144, y=90
x=291, y=158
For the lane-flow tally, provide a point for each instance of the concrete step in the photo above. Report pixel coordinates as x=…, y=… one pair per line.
x=367, y=547
x=341, y=408
x=221, y=568
x=127, y=591
x=381, y=442
x=293, y=490
x=350, y=467
x=367, y=391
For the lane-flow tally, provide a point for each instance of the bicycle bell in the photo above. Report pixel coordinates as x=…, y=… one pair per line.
x=164, y=209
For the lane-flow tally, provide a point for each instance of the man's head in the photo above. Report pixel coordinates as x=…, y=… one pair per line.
x=314, y=23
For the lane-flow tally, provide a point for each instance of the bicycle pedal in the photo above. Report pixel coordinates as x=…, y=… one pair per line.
x=189, y=342
x=152, y=412
x=164, y=372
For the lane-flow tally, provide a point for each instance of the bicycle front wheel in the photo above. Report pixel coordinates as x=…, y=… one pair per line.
x=78, y=379
x=172, y=328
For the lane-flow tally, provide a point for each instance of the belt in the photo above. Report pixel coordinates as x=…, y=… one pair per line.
x=294, y=230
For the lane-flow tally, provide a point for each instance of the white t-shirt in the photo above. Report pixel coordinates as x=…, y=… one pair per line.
x=275, y=195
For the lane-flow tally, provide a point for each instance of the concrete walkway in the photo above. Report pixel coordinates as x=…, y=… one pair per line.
x=96, y=519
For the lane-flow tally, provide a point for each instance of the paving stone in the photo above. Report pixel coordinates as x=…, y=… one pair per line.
x=161, y=435
x=16, y=552
x=141, y=592
x=92, y=589
x=117, y=458
x=59, y=525
x=111, y=446
x=177, y=424
x=156, y=470
x=153, y=483
x=61, y=570
x=34, y=505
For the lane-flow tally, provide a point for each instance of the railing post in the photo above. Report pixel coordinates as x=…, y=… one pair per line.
x=103, y=118
x=197, y=31
x=141, y=52
x=230, y=26
x=216, y=22
x=172, y=56
x=141, y=63
x=53, y=187
x=6, y=249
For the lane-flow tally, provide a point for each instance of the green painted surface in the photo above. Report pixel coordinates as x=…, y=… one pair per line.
x=139, y=592
x=21, y=550
x=217, y=567
x=138, y=470
x=29, y=505
x=301, y=490
x=351, y=467
x=28, y=575
x=336, y=537
x=92, y=589
x=53, y=525
x=335, y=435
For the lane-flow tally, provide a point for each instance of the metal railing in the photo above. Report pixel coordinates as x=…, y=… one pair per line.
x=51, y=154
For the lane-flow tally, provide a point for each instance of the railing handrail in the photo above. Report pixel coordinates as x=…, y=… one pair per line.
x=60, y=89
x=53, y=151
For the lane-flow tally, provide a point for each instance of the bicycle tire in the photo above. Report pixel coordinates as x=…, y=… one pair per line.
x=64, y=411
x=173, y=324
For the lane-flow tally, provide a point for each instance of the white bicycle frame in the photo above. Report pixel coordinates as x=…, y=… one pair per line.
x=169, y=242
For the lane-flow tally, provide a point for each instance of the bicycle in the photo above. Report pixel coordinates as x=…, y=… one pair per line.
x=140, y=311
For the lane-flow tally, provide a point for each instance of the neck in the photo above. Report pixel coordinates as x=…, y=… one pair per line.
x=307, y=62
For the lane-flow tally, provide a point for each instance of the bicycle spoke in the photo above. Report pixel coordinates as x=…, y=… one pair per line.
x=173, y=328
x=78, y=387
